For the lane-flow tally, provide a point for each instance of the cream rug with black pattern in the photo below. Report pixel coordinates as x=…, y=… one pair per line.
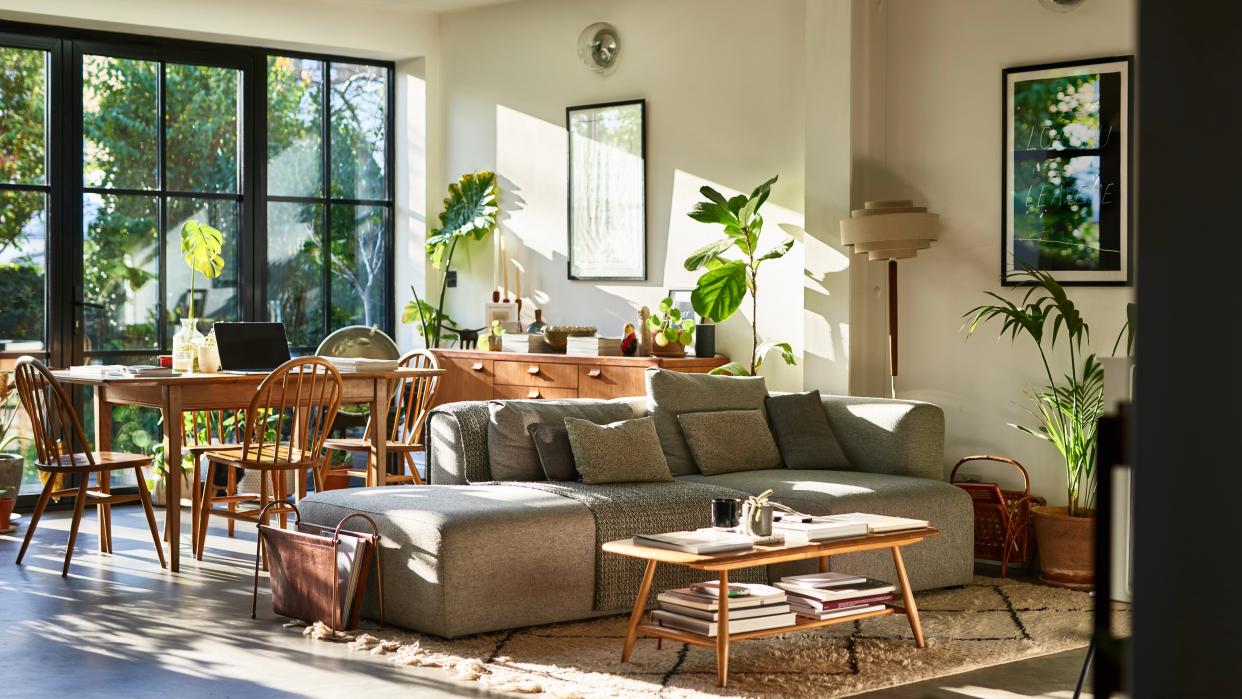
x=988, y=622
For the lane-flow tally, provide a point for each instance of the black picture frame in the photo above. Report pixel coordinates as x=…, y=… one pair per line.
x=639, y=271
x=1114, y=174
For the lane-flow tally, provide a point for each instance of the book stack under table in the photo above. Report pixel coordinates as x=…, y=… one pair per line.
x=829, y=595
x=752, y=607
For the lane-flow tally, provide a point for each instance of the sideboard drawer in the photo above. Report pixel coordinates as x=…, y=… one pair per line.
x=465, y=378
x=502, y=392
x=546, y=374
x=603, y=381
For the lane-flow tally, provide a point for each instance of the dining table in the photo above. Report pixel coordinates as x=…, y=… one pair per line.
x=176, y=394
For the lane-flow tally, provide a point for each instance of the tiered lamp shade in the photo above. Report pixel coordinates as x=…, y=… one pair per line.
x=890, y=230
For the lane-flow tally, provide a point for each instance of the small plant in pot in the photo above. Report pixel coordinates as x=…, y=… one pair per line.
x=1067, y=410
x=670, y=332
x=11, y=463
x=494, y=335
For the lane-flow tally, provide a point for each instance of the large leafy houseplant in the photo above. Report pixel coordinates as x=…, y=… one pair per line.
x=470, y=212
x=1067, y=409
x=724, y=286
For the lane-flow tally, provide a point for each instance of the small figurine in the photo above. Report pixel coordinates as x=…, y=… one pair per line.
x=629, y=341
x=644, y=332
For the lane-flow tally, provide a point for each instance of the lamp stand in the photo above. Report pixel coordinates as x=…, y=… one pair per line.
x=892, y=318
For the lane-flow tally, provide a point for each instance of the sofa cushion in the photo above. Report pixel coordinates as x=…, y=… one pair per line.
x=556, y=454
x=510, y=449
x=620, y=452
x=803, y=434
x=672, y=393
x=730, y=440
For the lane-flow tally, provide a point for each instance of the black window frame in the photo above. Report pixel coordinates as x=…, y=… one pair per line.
x=66, y=46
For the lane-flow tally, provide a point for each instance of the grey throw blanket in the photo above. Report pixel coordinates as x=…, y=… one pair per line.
x=622, y=510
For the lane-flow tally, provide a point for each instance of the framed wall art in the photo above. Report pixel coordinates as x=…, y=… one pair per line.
x=607, y=191
x=1067, y=149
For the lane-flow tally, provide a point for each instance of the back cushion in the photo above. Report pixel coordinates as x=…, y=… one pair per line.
x=673, y=393
x=510, y=448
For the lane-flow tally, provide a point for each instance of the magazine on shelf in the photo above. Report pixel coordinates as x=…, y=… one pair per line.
x=818, y=529
x=119, y=370
x=711, y=628
x=821, y=606
x=734, y=614
x=835, y=613
x=842, y=592
x=687, y=597
x=828, y=579
x=711, y=588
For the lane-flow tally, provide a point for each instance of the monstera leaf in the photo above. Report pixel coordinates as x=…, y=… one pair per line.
x=201, y=246
x=470, y=211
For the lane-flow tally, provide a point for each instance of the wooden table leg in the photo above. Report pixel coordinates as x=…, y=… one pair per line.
x=907, y=598
x=636, y=616
x=103, y=442
x=823, y=564
x=379, y=418
x=174, y=428
x=722, y=635
x=301, y=436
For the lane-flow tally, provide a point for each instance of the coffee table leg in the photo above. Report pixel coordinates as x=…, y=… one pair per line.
x=636, y=616
x=722, y=637
x=907, y=597
x=823, y=564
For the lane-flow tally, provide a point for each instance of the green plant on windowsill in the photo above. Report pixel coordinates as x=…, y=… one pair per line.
x=670, y=333
x=723, y=287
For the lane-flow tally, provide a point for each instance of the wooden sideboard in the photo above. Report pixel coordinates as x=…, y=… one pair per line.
x=482, y=375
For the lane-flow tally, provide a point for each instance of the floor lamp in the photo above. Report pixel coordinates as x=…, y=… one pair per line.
x=890, y=230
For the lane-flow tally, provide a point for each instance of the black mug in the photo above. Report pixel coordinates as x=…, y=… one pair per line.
x=726, y=513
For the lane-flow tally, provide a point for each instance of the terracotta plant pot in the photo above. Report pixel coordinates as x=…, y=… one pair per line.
x=6, y=511
x=672, y=349
x=1066, y=547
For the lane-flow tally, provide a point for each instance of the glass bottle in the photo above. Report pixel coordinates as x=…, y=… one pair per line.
x=537, y=326
x=185, y=346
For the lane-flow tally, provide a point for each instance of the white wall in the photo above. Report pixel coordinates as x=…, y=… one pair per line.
x=288, y=24
x=723, y=83
x=943, y=148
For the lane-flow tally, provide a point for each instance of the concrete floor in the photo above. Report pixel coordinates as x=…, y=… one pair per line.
x=121, y=626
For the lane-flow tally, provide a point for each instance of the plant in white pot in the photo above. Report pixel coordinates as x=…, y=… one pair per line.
x=1067, y=410
x=12, y=463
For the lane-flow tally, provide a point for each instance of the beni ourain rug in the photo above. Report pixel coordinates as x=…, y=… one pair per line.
x=987, y=622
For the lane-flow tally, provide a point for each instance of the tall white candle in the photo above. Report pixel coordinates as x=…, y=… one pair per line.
x=517, y=282
x=495, y=262
x=504, y=254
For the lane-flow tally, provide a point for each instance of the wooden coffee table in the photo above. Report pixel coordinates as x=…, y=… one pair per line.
x=762, y=556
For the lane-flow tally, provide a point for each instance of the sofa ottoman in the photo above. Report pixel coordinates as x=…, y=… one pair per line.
x=459, y=560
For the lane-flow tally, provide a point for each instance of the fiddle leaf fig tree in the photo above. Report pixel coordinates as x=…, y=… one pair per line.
x=470, y=212
x=201, y=246
x=723, y=287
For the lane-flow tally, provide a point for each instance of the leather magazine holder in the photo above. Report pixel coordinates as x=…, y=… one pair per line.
x=303, y=572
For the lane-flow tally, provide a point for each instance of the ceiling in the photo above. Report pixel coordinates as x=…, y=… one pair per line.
x=418, y=6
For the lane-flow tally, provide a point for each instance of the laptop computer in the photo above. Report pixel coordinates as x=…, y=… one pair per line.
x=251, y=348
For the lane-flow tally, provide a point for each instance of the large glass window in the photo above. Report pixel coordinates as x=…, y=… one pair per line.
x=329, y=207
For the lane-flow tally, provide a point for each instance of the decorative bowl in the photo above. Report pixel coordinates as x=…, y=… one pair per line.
x=557, y=336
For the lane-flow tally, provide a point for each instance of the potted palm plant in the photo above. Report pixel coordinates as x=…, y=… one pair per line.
x=1066, y=410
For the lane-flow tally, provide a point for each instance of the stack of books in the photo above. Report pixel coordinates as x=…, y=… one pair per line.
x=699, y=541
x=593, y=346
x=831, y=595
x=804, y=530
x=524, y=342
x=880, y=524
x=348, y=364
x=752, y=607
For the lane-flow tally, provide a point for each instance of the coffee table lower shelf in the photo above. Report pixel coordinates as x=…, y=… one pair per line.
x=803, y=624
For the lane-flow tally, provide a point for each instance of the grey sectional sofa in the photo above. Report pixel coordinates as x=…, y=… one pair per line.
x=467, y=555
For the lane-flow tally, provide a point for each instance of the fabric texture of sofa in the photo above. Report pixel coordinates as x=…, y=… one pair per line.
x=468, y=555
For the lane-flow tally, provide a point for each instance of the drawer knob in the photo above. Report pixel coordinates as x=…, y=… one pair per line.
x=477, y=366
x=594, y=372
x=532, y=369
x=534, y=393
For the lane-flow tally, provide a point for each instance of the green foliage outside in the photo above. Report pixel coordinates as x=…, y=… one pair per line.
x=1056, y=199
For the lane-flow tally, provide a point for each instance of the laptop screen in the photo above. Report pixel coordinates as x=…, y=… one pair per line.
x=251, y=346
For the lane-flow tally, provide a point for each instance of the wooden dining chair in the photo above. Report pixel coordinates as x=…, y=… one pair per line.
x=302, y=397
x=203, y=431
x=62, y=449
x=410, y=398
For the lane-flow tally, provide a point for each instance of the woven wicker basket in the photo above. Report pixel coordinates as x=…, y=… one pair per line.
x=1003, y=528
